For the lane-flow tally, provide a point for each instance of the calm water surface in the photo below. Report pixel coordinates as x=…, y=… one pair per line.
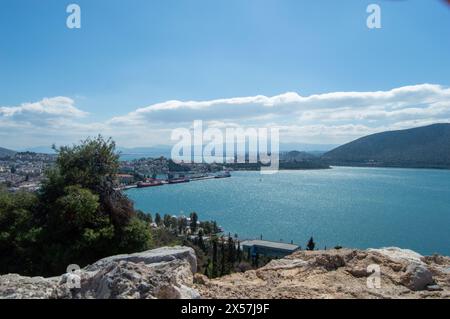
x=351, y=207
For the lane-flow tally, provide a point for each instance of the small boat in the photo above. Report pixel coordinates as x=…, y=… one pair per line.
x=223, y=175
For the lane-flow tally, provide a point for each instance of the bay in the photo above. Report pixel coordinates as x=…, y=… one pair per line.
x=345, y=206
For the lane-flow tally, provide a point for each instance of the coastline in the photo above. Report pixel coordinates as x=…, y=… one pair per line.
x=349, y=207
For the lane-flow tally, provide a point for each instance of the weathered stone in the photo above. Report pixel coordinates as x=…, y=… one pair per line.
x=417, y=277
x=434, y=288
x=334, y=274
x=164, y=254
x=398, y=254
x=358, y=272
x=200, y=279
x=168, y=273
x=13, y=286
x=160, y=273
x=285, y=264
x=328, y=261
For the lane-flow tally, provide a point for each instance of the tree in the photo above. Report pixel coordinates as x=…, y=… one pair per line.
x=147, y=217
x=136, y=236
x=93, y=165
x=215, y=228
x=239, y=252
x=83, y=218
x=231, y=252
x=158, y=220
x=167, y=220
x=19, y=232
x=223, y=268
x=311, y=244
x=194, y=220
x=182, y=224
x=215, y=271
x=201, y=242
x=174, y=224
x=207, y=272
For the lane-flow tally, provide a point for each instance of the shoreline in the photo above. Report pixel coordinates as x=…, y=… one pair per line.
x=166, y=182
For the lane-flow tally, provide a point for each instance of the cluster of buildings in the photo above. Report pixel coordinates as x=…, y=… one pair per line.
x=132, y=171
x=145, y=167
x=24, y=170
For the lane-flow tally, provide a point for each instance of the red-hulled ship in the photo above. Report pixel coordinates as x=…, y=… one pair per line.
x=151, y=183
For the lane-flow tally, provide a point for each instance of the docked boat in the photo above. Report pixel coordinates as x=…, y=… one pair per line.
x=223, y=175
x=149, y=184
x=178, y=180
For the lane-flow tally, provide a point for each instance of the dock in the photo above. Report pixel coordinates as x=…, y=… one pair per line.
x=167, y=182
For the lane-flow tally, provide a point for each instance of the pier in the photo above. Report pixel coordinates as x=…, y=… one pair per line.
x=161, y=182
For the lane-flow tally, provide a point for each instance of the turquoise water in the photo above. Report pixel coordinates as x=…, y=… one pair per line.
x=351, y=207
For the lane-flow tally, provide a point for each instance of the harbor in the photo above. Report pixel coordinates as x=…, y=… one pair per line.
x=171, y=179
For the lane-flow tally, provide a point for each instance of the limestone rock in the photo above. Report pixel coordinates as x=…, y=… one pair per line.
x=398, y=254
x=417, y=277
x=164, y=254
x=13, y=286
x=161, y=273
x=342, y=273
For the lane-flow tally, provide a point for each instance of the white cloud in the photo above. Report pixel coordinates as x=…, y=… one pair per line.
x=418, y=100
x=334, y=117
x=45, y=110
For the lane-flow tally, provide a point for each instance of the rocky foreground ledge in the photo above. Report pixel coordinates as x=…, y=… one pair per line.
x=169, y=273
x=165, y=273
x=340, y=273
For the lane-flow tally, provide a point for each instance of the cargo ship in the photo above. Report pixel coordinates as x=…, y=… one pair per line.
x=178, y=180
x=149, y=184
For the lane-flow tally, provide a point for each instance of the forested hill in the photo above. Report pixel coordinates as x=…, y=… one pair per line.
x=5, y=152
x=422, y=147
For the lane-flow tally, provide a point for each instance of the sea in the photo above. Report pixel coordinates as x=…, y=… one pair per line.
x=343, y=206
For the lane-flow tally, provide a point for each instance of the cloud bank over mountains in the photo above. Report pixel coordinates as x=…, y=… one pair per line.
x=328, y=118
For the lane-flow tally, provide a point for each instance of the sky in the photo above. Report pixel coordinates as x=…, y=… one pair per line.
x=137, y=69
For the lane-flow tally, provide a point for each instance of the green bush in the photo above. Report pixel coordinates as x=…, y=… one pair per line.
x=76, y=218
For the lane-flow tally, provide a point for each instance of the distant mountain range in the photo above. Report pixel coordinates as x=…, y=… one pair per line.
x=165, y=150
x=297, y=156
x=5, y=152
x=422, y=147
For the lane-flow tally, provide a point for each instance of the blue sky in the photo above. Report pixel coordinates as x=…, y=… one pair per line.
x=59, y=85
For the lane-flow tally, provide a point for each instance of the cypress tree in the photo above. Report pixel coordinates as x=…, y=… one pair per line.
x=223, y=270
x=215, y=259
x=231, y=252
x=239, y=252
x=311, y=244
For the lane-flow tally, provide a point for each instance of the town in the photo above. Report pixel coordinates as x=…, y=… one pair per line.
x=26, y=171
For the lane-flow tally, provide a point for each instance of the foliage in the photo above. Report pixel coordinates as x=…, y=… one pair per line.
x=77, y=216
x=311, y=244
x=194, y=220
x=19, y=232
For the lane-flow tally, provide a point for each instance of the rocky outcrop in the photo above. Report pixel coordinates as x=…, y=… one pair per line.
x=344, y=273
x=161, y=273
x=168, y=273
